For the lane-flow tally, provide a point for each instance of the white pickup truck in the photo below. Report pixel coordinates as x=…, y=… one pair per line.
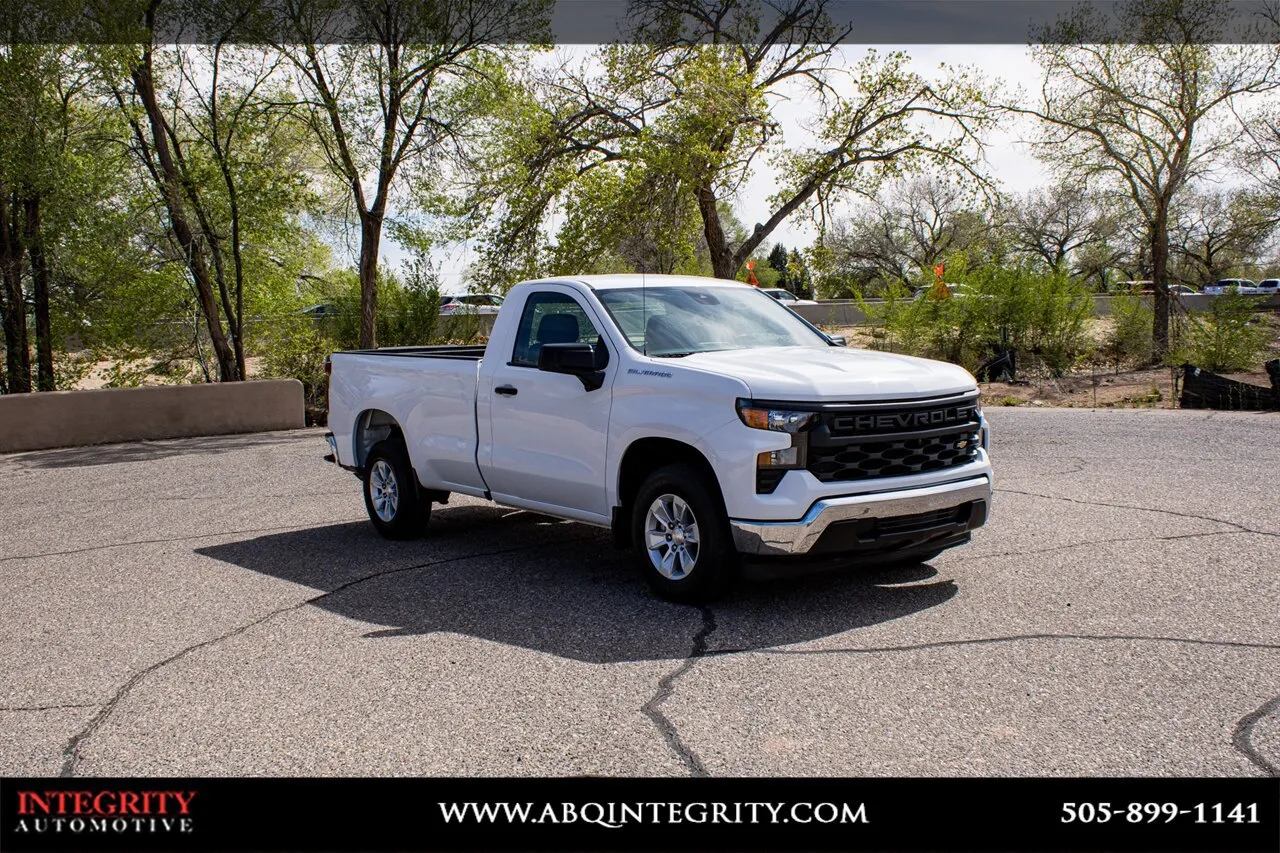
x=698, y=419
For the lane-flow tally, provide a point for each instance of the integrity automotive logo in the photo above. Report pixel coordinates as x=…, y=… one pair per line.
x=104, y=812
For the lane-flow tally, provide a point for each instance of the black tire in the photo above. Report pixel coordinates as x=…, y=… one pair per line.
x=405, y=516
x=714, y=562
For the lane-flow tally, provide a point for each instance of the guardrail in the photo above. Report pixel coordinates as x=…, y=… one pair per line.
x=75, y=418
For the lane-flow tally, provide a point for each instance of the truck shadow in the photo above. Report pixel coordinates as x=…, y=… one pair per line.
x=561, y=588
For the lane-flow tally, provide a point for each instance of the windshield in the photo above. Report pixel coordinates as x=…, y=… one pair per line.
x=677, y=321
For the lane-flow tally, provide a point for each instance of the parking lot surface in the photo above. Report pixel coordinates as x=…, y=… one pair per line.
x=221, y=606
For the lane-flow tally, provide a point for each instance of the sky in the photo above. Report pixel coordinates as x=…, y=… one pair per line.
x=1009, y=160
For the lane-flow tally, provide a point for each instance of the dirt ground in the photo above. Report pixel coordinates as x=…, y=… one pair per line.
x=1158, y=388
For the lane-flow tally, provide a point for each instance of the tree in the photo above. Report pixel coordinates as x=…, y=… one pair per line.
x=163, y=154
x=798, y=278
x=1065, y=227
x=1151, y=116
x=693, y=103
x=1216, y=231
x=778, y=261
x=47, y=135
x=908, y=229
x=412, y=88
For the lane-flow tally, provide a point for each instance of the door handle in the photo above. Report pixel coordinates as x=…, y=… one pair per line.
x=506, y=390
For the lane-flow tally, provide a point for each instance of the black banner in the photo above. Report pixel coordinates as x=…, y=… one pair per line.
x=640, y=814
x=600, y=21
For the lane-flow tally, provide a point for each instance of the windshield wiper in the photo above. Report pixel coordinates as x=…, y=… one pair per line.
x=673, y=354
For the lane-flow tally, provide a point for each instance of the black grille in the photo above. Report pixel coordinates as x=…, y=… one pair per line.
x=893, y=440
x=767, y=479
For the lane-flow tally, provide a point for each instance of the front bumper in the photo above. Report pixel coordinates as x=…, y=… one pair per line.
x=906, y=520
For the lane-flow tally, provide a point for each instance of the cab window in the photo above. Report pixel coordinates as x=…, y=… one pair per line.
x=551, y=318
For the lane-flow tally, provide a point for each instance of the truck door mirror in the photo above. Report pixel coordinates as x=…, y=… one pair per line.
x=838, y=340
x=575, y=359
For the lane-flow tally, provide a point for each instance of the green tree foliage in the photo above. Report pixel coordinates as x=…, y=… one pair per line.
x=411, y=89
x=680, y=120
x=1149, y=117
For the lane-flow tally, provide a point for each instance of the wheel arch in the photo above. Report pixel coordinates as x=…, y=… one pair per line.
x=372, y=426
x=641, y=458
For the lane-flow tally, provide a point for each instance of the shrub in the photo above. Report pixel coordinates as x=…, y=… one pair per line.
x=1225, y=338
x=296, y=349
x=1131, y=336
x=1046, y=315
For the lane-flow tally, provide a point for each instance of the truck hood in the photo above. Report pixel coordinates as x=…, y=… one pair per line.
x=810, y=374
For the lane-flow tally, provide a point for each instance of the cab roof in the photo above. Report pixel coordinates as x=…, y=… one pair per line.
x=619, y=280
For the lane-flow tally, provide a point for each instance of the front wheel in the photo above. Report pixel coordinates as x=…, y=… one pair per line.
x=391, y=493
x=682, y=536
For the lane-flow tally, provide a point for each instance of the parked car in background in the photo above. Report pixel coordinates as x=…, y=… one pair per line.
x=470, y=303
x=320, y=312
x=1269, y=286
x=1147, y=288
x=1231, y=285
x=786, y=297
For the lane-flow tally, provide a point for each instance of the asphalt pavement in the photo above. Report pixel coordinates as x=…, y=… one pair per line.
x=221, y=606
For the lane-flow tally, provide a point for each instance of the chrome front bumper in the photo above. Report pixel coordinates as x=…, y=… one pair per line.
x=780, y=538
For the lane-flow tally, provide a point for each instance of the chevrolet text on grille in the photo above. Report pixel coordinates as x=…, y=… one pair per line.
x=936, y=417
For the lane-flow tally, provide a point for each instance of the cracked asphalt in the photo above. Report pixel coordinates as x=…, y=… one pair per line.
x=222, y=607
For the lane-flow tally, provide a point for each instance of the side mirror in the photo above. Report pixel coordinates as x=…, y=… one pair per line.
x=575, y=359
x=838, y=340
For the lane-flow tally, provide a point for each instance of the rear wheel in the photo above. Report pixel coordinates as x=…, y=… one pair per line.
x=682, y=536
x=391, y=493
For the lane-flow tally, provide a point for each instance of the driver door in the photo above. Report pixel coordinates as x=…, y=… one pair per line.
x=548, y=433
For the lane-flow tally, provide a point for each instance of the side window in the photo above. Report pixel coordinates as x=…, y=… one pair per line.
x=551, y=318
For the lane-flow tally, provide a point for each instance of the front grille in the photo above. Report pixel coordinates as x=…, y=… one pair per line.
x=893, y=439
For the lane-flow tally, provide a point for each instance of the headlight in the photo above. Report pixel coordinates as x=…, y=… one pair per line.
x=771, y=465
x=778, y=420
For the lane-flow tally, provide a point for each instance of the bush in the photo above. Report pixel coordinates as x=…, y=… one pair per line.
x=296, y=349
x=1131, y=337
x=406, y=316
x=1227, y=337
x=1046, y=315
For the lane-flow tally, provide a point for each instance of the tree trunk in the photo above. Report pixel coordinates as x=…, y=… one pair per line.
x=370, y=237
x=721, y=258
x=179, y=223
x=40, y=291
x=1159, y=284
x=18, y=357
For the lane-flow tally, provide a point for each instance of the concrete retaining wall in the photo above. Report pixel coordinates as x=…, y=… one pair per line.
x=73, y=418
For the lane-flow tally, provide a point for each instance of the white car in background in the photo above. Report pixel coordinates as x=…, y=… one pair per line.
x=1231, y=285
x=786, y=297
x=470, y=303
